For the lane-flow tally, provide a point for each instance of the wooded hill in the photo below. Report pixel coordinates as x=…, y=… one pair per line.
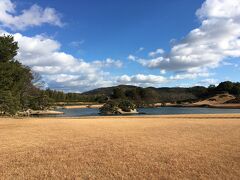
x=148, y=95
x=153, y=95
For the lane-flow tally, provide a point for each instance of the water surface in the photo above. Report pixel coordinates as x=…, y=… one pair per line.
x=151, y=111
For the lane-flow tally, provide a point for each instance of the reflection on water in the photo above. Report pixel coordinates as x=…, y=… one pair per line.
x=151, y=111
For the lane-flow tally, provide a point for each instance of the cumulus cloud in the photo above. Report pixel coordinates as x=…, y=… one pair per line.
x=34, y=16
x=157, y=52
x=190, y=75
x=61, y=70
x=163, y=71
x=142, y=80
x=230, y=64
x=217, y=38
x=132, y=57
x=207, y=82
x=109, y=63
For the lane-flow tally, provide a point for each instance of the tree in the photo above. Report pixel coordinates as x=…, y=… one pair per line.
x=8, y=48
x=16, y=81
x=126, y=105
x=101, y=99
x=40, y=101
x=118, y=93
x=225, y=86
x=236, y=89
x=111, y=107
x=8, y=103
x=132, y=94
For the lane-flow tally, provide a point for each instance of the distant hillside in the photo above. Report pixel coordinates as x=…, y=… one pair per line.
x=108, y=90
x=150, y=94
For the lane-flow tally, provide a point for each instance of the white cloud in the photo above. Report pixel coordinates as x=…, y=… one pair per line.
x=34, y=16
x=219, y=9
x=157, y=52
x=132, y=57
x=109, y=63
x=142, y=80
x=163, y=71
x=61, y=70
x=217, y=38
x=207, y=82
x=190, y=75
x=230, y=64
x=140, y=49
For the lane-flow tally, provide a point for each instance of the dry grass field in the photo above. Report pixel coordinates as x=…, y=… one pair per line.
x=167, y=147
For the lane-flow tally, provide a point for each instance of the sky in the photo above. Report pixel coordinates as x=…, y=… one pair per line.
x=81, y=45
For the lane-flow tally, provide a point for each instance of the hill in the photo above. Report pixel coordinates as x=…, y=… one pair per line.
x=108, y=90
x=149, y=94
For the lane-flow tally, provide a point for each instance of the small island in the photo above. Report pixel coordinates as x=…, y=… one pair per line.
x=123, y=107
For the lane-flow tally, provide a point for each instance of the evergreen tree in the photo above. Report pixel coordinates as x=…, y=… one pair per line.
x=17, y=91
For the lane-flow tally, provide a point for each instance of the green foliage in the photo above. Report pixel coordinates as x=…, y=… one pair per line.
x=8, y=48
x=118, y=93
x=236, y=89
x=111, y=107
x=230, y=87
x=126, y=105
x=17, y=91
x=59, y=96
x=8, y=103
x=133, y=94
x=101, y=99
x=225, y=86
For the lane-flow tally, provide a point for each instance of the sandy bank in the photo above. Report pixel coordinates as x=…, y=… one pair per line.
x=83, y=106
x=208, y=105
x=46, y=112
x=218, y=101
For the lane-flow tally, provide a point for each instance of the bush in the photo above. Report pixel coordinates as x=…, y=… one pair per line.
x=126, y=105
x=110, y=107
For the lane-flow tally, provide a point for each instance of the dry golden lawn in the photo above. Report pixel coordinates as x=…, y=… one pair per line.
x=167, y=147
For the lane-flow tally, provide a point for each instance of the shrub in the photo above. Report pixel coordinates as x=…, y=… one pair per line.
x=126, y=105
x=110, y=107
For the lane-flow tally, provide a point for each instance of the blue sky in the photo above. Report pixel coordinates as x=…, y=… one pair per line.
x=117, y=28
x=82, y=45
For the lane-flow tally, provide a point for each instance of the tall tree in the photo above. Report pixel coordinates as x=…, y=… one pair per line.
x=16, y=81
x=8, y=48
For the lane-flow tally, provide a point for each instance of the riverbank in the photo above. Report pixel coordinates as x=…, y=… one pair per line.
x=96, y=106
x=222, y=106
x=39, y=113
x=146, y=147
